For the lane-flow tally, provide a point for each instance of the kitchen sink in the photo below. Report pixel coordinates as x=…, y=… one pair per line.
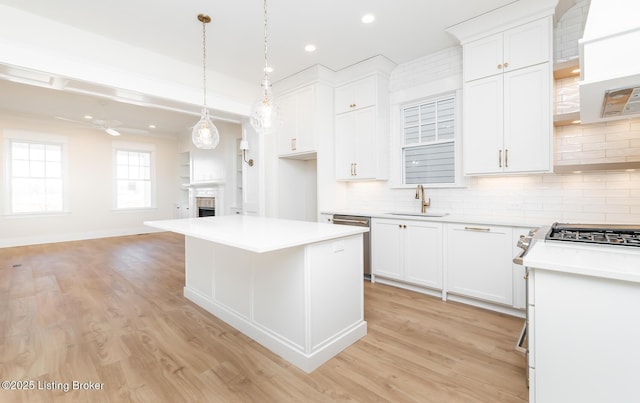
x=410, y=213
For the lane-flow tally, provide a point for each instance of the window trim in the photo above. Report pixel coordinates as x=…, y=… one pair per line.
x=398, y=140
x=135, y=147
x=34, y=138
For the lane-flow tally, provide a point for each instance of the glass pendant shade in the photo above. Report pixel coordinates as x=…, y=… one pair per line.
x=265, y=113
x=205, y=134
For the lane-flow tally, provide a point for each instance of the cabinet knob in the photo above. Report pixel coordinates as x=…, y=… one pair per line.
x=506, y=64
x=352, y=105
x=499, y=66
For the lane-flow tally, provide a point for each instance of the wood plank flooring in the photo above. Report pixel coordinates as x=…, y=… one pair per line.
x=111, y=311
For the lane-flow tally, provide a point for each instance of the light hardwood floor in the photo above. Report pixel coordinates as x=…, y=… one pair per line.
x=111, y=311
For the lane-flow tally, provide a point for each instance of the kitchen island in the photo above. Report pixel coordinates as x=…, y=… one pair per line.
x=295, y=287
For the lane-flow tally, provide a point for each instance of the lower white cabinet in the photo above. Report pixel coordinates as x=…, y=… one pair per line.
x=408, y=251
x=479, y=262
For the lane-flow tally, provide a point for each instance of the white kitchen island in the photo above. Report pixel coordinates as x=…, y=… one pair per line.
x=295, y=287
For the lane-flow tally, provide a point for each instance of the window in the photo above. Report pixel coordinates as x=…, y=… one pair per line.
x=133, y=177
x=35, y=173
x=429, y=141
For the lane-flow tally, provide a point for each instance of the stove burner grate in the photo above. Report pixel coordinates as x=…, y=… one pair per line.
x=601, y=234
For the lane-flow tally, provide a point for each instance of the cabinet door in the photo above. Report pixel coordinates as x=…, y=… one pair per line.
x=527, y=45
x=423, y=253
x=483, y=58
x=345, y=145
x=479, y=262
x=386, y=248
x=519, y=283
x=356, y=95
x=305, y=122
x=287, y=130
x=364, y=126
x=527, y=119
x=483, y=126
x=297, y=113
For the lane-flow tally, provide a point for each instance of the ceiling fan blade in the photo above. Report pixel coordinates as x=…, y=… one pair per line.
x=132, y=130
x=111, y=131
x=74, y=121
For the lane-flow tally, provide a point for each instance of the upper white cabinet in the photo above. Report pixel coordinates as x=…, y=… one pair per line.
x=507, y=122
x=362, y=129
x=479, y=262
x=297, y=135
x=507, y=89
x=507, y=118
x=513, y=49
x=357, y=95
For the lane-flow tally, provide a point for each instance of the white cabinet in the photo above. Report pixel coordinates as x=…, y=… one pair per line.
x=519, y=282
x=508, y=122
x=408, y=251
x=361, y=129
x=357, y=95
x=297, y=135
x=513, y=49
x=507, y=118
x=479, y=262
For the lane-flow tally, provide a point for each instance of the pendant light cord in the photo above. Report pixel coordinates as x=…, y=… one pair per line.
x=266, y=65
x=204, y=64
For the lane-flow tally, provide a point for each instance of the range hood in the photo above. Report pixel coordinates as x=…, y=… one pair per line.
x=610, y=61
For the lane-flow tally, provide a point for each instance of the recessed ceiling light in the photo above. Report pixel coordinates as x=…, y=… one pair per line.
x=152, y=126
x=268, y=69
x=88, y=117
x=368, y=18
x=310, y=48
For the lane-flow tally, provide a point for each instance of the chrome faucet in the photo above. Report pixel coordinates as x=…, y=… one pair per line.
x=420, y=195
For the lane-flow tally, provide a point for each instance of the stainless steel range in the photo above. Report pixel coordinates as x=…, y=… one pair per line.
x=623, y=235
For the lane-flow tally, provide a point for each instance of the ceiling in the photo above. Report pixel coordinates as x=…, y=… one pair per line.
x=403, y=30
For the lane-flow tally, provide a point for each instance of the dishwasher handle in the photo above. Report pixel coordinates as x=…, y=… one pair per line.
x=350, y=222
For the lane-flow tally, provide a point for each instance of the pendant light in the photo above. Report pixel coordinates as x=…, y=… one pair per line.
x=205, y=134
x=265, y=111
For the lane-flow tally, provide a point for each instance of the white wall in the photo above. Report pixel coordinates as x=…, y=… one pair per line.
x=90, y=187
x=607, y=197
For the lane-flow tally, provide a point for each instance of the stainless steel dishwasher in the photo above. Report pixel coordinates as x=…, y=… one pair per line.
x=359, y=221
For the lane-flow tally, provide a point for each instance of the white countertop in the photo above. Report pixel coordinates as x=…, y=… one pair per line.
x=449, y=218
x=256, y=234
x=611, y=262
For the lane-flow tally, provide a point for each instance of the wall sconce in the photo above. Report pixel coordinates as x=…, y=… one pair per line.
x=244, y=146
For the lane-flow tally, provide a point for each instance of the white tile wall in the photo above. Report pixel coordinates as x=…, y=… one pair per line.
x=607, y=197
x=569, y=29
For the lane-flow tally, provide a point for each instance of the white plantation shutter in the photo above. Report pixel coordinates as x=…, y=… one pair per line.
x=428, y=149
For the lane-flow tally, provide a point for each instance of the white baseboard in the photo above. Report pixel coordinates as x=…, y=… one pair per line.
x=79, y=236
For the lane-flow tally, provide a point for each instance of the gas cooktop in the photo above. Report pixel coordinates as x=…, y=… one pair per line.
x=624, y=235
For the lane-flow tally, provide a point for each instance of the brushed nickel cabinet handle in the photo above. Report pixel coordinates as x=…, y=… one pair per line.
x=499, y=158
x=355, y=169
x=506, y=158
x=477, y=229
x=293, y=145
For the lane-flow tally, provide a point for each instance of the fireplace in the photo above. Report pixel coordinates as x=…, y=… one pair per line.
x=206, y=206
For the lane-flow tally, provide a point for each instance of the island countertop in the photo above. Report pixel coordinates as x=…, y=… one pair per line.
x=256, y=234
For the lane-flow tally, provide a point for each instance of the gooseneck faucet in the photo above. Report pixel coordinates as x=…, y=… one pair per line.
x=420, y=195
